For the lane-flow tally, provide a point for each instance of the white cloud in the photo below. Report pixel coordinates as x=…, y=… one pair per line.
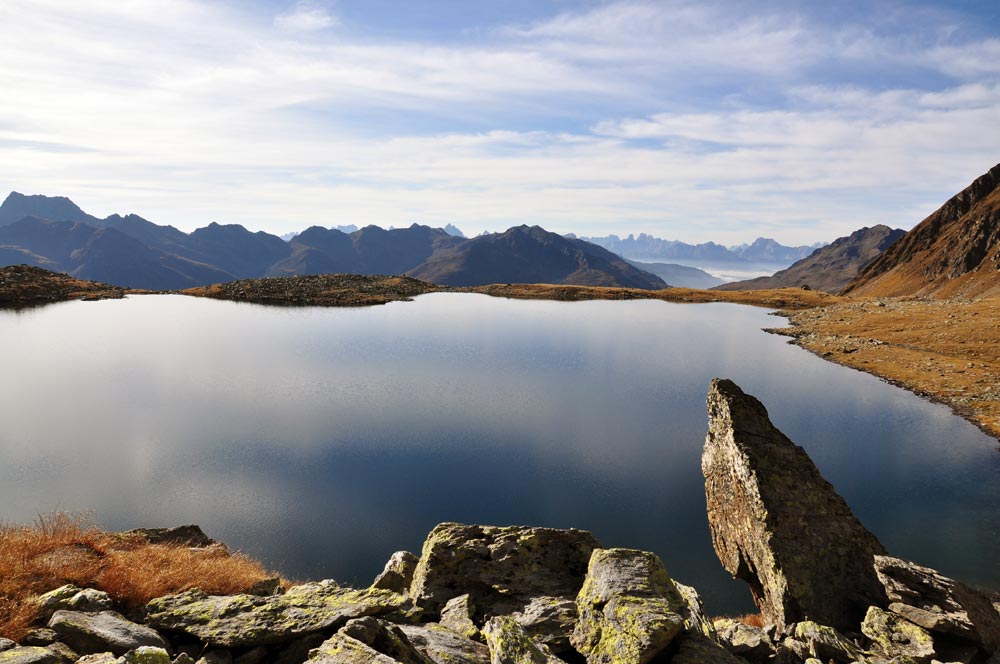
x=306, y=17
x=186, y=112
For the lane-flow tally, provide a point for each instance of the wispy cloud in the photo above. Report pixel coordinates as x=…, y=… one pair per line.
x=689, y=120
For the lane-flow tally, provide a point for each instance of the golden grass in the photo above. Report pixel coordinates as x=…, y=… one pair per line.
x=61, y=548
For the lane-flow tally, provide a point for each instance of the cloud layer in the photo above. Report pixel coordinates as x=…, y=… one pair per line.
x=693, y=121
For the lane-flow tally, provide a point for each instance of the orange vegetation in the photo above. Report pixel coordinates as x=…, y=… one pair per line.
x=61, y=549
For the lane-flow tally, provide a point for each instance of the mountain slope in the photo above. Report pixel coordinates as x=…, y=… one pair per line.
x=679, y=276
x=56, y=208
x=829, y=268
x=531, y=255
x=955, y=252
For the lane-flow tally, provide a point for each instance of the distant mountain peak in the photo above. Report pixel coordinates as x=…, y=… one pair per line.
x=54, y=208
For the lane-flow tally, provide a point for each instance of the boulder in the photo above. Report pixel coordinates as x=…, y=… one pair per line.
x=29, y=655
x=457, y=615
x=778, y=525
x=549, y=621
x=189, y=535
x=385, y=638
x=99, y=658
x=629, y=609
x=826, y=643
x=104, y=631
x=72, y=598
x=146, y=655
x=510, y=644
x=6, y=644
x=746, y=641
x=940, y=605
x=40, y=637
x=696, y=620
x=398, y=572
x=252, y=620
x=342, y=649
x=895, y=636
x=443, y=645
x=500, y=568
x=698, y=649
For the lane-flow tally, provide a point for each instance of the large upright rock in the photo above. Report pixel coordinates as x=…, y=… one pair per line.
x=501, y=568
x=778, y=525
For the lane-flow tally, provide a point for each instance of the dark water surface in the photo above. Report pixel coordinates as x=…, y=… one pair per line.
x=322, y=440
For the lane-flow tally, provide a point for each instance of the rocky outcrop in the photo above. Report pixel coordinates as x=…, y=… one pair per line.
x=629, y=608
x=250, y=620
x=778, y=525
x=501, y=569
x=398, y=572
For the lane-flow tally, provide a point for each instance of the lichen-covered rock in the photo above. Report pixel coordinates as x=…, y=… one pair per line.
x=99, y=632
x=896, y=636
x=501, y=568
x=695, y=648
x=99, y=658
x=696, y=620
x=40, y=637
x=386, y=638
x=629, y=609
x=29, y=655
x=549, y=620
x=251, y=620
x=65, y=653
x=457, y=614
x=189, y=535
x=342, y=649
x=940, y=605
x=751, y=643
x=778, y=525
x=827, y=644
x=72, y=598
x=510, y=644
x=398, y=573
x=445, y=646
x=146, y=655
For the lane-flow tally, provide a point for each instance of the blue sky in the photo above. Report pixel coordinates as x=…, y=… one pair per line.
x=687, y=120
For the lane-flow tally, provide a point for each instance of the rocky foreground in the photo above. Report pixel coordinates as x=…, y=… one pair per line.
x=826, y=589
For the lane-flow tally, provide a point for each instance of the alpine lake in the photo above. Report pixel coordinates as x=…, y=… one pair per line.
x=321, y=440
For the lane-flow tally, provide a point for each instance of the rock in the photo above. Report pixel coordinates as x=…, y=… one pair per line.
x=258, y=655
x=385, y=638
x=29, y=655
x=826, y=643
x=751, y=643
x=549, y=621
x=897, y=636
x=65, y=653
x=342, y=649
x=98, y=632
x=185, y=658
x=266, y=587
x=298, y=650
x=252, y=620
x=6, y=644
x=147, y=655
x=938, y=604
x=696, y=619
x=778, y=525
x=100, y=658
x=445, y=646
x=695, y=648
x=40, y=637
x=216, y=657
x=629, y=609
x=457, y=615
x=72, y=598
x=510, y=644
x=190, y=535
x=398, y=573
x=501, y=568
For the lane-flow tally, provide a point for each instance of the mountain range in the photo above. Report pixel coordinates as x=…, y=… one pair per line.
x=955, y=252
x=54, y=233
x=653, y=249
x=829, y=268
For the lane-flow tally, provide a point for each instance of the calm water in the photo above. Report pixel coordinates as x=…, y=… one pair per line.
x=322, y=440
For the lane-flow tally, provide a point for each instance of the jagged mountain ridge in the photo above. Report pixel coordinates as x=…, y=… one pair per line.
x=828, y=268
x=134, y=252
x=954, y=252
x=653, y=249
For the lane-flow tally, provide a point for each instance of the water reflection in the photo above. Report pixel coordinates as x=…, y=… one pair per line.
x=321, y=440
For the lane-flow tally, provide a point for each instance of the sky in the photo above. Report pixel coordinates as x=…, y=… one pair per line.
x=690, y=120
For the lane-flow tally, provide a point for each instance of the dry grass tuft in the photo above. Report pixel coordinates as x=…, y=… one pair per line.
x=62, y=548
x=751, y=620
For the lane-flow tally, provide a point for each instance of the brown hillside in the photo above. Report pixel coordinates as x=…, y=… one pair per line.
x=829, y=268
x=955, y=252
